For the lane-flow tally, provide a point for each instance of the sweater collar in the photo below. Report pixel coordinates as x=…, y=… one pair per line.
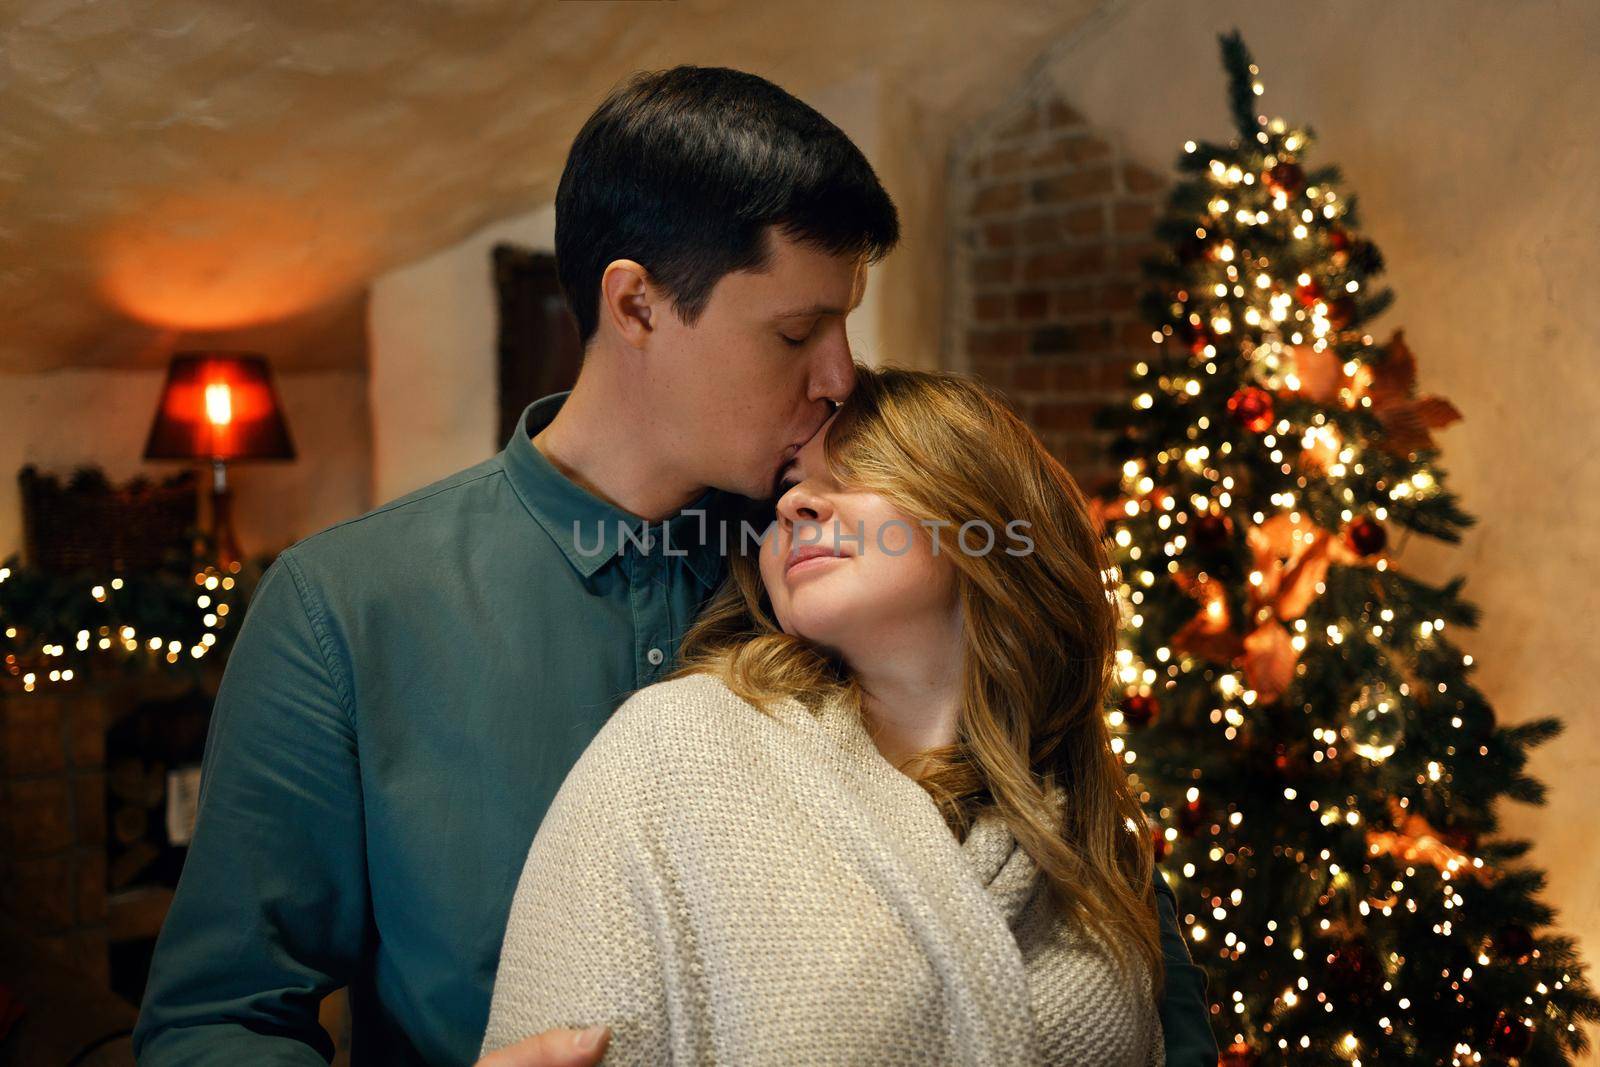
x=1000, y=863
x=991, y=851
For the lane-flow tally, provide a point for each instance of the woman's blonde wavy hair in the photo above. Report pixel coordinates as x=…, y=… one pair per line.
x=1040, y=636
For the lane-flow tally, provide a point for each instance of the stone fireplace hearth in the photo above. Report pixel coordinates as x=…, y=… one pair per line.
x=85, y=876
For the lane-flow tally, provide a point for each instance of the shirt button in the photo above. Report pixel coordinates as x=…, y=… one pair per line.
x=655, y=657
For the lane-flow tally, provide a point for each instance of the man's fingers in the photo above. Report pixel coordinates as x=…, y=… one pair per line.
x=553, y=1048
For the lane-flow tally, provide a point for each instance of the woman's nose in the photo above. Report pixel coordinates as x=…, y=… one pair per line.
x=801, y=504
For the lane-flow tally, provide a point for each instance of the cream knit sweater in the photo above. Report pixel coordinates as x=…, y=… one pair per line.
x=722, y=886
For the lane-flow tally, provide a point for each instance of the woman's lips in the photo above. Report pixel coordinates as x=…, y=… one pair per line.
x=811, y=563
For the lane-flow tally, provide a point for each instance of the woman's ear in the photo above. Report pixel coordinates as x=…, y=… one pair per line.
x=627, y=301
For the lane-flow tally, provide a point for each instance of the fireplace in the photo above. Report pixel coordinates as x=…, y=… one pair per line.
x=96, y=779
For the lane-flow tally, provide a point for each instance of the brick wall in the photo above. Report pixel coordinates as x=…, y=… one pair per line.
x=1049, y=226
x=53, y=833
x=60, y=850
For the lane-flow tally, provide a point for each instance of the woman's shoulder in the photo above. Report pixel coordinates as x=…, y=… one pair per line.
x=649, y=745
x=698, y=688
x=675, y=748
x=687, y=697
x=680, y=715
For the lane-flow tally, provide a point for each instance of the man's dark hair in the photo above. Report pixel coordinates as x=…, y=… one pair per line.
x=684, y=170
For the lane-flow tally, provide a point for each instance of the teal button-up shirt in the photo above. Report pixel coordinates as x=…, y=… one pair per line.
x=405, y=695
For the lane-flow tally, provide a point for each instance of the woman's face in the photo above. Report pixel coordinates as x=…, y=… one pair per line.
x=846, y=569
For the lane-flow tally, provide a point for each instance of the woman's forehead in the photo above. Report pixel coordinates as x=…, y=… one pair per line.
x=810, y=461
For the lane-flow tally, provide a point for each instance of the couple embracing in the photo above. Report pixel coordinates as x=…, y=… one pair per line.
x=550, y=760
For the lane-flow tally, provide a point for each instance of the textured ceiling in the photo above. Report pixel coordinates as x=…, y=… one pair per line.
x=183, y=172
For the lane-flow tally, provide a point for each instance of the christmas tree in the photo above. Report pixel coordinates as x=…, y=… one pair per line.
x=1320, y=769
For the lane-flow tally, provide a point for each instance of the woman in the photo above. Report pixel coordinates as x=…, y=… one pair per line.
x=874, y=816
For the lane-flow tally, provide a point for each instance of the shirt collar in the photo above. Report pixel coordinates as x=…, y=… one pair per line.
x=586, y=528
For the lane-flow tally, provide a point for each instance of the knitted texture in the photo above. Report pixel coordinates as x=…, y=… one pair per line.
x=721, y=886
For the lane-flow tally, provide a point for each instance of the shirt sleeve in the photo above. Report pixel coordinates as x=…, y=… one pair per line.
x=583, y=940
x=1185, y=1019
x=271, y=912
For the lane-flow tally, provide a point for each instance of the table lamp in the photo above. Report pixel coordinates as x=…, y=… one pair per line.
x=219, y=407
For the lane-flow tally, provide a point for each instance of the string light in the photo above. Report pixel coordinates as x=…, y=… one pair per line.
x=124, y=636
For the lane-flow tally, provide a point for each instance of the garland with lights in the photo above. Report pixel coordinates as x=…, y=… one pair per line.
x=1321, y=770
x=56, y=628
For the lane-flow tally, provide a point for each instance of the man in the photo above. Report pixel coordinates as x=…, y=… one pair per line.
x=410, y=687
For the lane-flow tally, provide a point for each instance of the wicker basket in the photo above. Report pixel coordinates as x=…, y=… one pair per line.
x=90, y=525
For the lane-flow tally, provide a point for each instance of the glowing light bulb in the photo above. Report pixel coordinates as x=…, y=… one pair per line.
x=219, y=404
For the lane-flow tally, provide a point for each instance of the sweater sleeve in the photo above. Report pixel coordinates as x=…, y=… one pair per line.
x=581, y=945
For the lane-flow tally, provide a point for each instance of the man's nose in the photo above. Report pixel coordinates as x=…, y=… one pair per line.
x=835, y=373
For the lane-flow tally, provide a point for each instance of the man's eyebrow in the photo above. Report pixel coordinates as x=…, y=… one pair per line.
x=817, y=309
x=809, y=312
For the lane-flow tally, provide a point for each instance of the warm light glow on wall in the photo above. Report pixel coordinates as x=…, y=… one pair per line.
x=226, y=260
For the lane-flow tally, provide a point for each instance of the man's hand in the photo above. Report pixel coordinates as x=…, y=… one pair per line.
x=553, y=1048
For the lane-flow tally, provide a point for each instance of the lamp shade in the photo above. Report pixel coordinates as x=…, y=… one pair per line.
x=219, y=405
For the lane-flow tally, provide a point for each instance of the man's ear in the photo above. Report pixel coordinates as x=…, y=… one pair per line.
x=628, y=302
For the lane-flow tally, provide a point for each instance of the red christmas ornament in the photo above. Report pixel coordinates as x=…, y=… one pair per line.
x=1287, y=178
x=1251, y=407
x=1338, y=239
x=1514, y=941
x=1191, y=817
x=1510, y=1035
x=1195, y=336
x=1350, y=961
x=1209, y=533
x=1193, y=248
x=1342, y=311
x=1365, y=537
x=1291, y=765
x=1238, y=1054
x=1309, y=293
x=1140, y=710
